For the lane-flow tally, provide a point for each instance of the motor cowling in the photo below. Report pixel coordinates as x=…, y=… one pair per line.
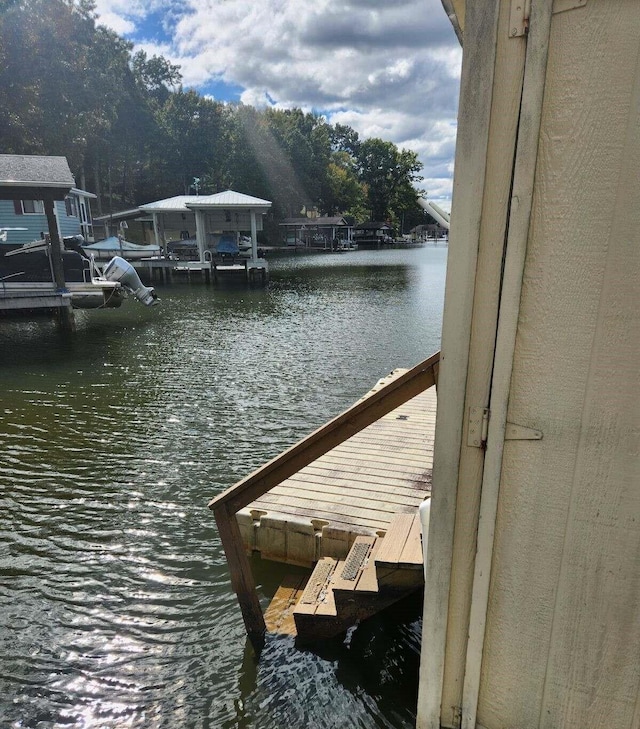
x=120, y=270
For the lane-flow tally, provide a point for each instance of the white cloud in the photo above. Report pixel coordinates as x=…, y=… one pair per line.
x=388, y=69
x=120, y=15
x=118, y=23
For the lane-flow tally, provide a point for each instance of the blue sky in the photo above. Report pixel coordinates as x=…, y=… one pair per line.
x=387, y=68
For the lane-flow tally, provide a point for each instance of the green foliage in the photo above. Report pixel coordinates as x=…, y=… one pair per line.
x=389, y=174
x=346, y=193
x=132, y=134
x=155, y=75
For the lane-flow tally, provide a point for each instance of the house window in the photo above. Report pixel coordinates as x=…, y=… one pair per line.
x=71, y=206
x=32, y=207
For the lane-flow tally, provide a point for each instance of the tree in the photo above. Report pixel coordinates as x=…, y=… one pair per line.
x=62, y=82
x=345, y=195
x=386, y=172
x=345, y=139
x=156, y=75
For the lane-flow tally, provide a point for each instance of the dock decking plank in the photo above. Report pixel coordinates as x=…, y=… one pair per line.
x=412, y=553
x=359, y=485
x=395, y=539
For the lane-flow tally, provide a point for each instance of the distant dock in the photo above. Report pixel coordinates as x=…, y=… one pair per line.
x=243, y=270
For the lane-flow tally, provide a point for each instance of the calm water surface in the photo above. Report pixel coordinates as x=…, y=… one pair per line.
x=115, y=603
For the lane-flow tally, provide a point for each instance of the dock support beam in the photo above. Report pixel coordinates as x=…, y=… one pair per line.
x=64, y=315
x=241, y=577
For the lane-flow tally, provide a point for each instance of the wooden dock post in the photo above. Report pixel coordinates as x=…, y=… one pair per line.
x=241, y=577
x=64, y=314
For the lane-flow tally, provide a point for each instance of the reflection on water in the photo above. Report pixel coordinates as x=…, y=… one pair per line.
x=115, y=604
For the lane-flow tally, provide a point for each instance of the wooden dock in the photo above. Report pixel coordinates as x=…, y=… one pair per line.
x=346, y=498
x=354, y=489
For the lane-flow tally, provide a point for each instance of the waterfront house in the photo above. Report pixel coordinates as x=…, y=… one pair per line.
x=24, y=220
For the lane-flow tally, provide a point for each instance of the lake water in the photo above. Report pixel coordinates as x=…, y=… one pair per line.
x=115, y=603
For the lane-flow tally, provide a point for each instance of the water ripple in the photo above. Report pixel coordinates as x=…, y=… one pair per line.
x=115, y=603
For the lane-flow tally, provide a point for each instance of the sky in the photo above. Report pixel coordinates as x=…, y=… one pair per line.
x=386, y=68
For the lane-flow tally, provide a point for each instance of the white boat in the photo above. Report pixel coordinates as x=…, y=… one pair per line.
x=347, y=245
x=105, y=250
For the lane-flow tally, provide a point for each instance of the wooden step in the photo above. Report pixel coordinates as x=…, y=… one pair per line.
x=339, y=593
x=318, y=592
x=279, y=615
x=358, y=570
x=402, y=544
x=377, y=572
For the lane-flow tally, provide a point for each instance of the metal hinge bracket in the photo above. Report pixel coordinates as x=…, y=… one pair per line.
x=479, y=429
x=519, y=18
x=559, y=6
x=519, y=432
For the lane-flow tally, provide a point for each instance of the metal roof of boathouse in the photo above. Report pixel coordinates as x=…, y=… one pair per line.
x=187, y=203
x=336, y=221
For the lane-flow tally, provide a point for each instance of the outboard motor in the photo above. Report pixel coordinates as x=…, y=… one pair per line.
x=120, y=270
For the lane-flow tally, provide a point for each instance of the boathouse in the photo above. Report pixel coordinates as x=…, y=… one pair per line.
x=33, y=185
x=532, y=587
x=206, y=217
x=373, y=235
x=216, y=223
x=319, y=232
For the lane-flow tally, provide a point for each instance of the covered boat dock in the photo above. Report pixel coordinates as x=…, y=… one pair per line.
x=209, y=217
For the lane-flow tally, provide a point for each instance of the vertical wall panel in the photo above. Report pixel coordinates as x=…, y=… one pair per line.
x=563, y=632
x=505, y=108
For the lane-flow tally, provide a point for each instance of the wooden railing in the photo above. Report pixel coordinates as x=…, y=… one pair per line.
x=351, y=421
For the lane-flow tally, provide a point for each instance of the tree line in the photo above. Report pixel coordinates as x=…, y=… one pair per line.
x=132, y=134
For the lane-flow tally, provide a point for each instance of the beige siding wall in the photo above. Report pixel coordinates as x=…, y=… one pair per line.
x=562, y=643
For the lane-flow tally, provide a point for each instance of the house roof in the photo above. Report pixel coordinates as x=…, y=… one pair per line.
x=185, y=203
x=31, y=170
x=315, y=222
